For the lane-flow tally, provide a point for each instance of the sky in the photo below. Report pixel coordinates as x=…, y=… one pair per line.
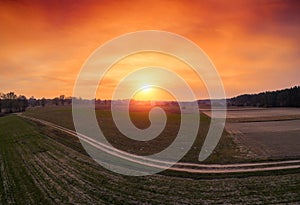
x=253, y=44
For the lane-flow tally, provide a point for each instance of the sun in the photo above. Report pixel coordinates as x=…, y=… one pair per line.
x=153, y=93
x=145, y=93
x=146, y=89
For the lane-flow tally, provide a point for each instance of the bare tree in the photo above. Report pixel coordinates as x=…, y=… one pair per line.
x=43, y=102
x=11, y=103
x=8, y=102
x=62, y=99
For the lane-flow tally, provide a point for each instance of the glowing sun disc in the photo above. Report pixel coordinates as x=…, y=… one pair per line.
x=146, y=89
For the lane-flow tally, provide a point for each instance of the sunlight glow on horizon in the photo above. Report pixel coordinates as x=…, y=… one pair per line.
x=152, y=93
x=149, y=59
x=145, y=93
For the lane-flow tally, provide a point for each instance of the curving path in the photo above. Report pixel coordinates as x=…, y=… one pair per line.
x=180, y=166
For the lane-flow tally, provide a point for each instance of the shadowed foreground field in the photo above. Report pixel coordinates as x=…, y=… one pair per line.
x=43, y=166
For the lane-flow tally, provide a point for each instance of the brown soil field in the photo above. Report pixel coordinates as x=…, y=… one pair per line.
x=271, y=133
x=258, y=114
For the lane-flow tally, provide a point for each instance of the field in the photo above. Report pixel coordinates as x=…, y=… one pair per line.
x=40, y=165
x=237, y=114
x=267, y=133
x=225, y=152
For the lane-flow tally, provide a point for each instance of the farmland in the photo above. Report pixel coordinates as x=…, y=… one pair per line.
x=267, y=133
x=42, y=165
x=226, y=151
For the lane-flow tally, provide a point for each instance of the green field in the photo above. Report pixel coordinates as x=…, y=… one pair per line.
x=40, y=165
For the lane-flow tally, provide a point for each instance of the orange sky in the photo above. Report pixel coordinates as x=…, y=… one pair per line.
x=254, y=44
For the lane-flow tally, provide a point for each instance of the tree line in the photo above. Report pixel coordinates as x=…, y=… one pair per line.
x=280, y=98
x=11, y=103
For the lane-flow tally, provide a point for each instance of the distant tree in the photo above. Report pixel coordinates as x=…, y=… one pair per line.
x=38, y=102
x=32, y=101
x=55, y=101
x=22, y=103
x=62, y=99
x=43, y=102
